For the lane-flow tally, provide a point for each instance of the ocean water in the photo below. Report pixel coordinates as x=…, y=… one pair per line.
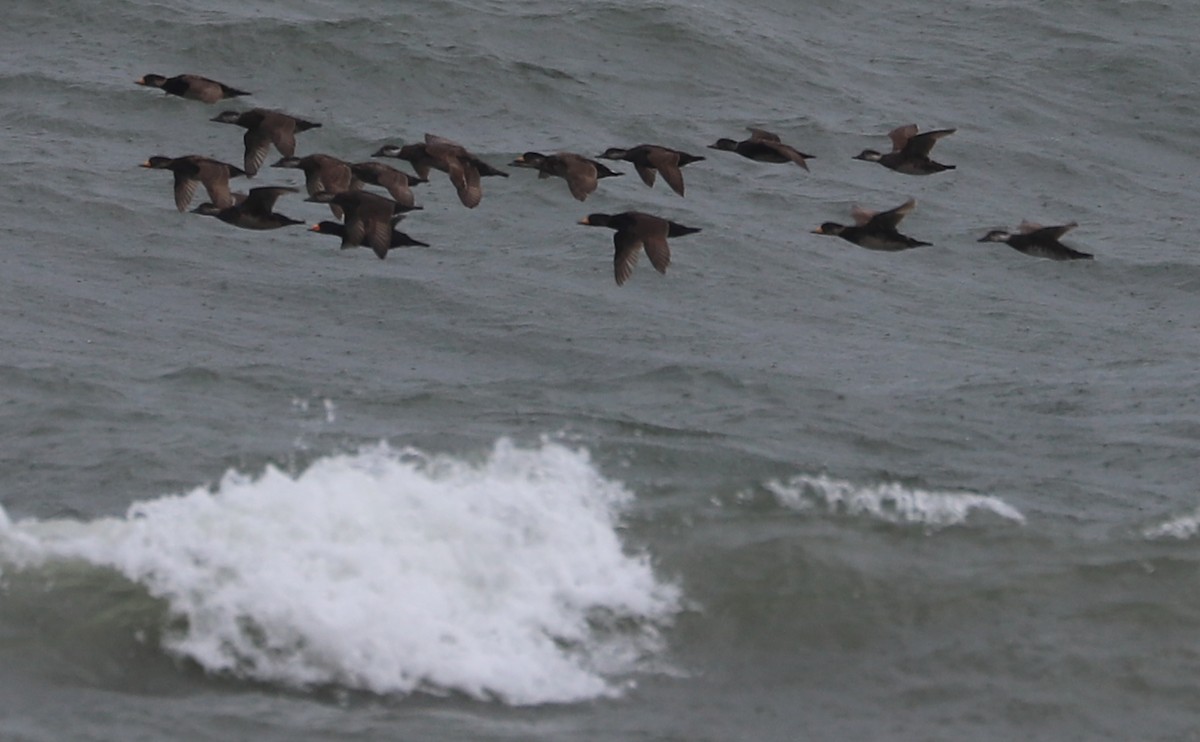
x=256, y=487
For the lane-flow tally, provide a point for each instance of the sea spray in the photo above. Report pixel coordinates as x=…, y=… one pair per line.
x=391, y=572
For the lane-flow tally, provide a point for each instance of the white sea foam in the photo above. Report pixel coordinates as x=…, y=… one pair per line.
x=889, y=502
x=392, y=572
x=1181, y=527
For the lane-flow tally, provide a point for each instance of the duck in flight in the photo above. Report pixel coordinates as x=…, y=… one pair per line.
x=651, y=159
x=1038, y=241
x=369, y=217
x=910, y=151
x=399, y=239
x=323, y=173
x=193, y=170
x=581, y=173
x=264, y=128
x=635, y=231
x=875, y=230
x=192, y=87
x=439, y=153
x=763, y=146
x=397, y=182
x=254, y=211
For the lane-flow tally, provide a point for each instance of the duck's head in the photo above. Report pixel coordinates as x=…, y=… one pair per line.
x=226, y=117
x=388, y=150
x=328, y=227
x=157, y=162
x=411, y=152
x=207, y=209
x=596, y=220
x=996, y=235
x=529, y=159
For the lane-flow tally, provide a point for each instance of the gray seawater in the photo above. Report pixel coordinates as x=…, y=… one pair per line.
x=255, y=487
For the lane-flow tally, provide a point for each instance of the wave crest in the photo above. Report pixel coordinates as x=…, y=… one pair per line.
x=889, y=502
x=392, y=571
x=1181, y=527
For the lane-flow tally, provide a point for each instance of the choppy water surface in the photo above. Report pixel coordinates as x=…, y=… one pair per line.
x=253, y=486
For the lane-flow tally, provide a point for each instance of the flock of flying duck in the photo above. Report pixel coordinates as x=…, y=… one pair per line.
x=369, y=219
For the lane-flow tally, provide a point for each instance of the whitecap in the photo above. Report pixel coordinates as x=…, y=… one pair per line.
x=888, y=501
x=392, y=571
x=1182, y=527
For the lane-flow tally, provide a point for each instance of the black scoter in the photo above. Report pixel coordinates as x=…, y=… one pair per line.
x=1038, y=241
x=254, y=211
x=399, y=239
x=649, y=159
x=875, y=230
x=369, y=217
x=264, y=127
x=910, y=151
x=193, y=87
x=763, y=146
x=637, y=230
x=581, y=173
x=439, y=153
x=193, y=170
x=323, y=173
x=397, y=182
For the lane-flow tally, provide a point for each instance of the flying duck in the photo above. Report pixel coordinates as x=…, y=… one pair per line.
x=910, y=151
x=254, y=211
x=193, y=170
x=763, y=146
x=323, y=173
x=439, y=153
x=397, y=182
x=369, y=217
x=398, y=238
x=1038, y=241
x=636, y=230
x=193, y=87
x=875, y=230
x=264, y=127
x=581, y=173
x=649, y=159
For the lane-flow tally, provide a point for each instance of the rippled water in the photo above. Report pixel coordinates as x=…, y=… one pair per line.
x=253, y=486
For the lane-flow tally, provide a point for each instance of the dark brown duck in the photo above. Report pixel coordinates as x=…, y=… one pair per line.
x=264, y=128
x=193, y=170
x=763, y=146
x=193, y=87
x=910, y=151
x=369, y=217
x=635, y=231
x=649, y=159
x=439, y=153
x=323, y=173
x=875, y=230
x=399, y=239
x=397, y=182
x=1038, y=241
x=254, y=211
x=582, y=174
